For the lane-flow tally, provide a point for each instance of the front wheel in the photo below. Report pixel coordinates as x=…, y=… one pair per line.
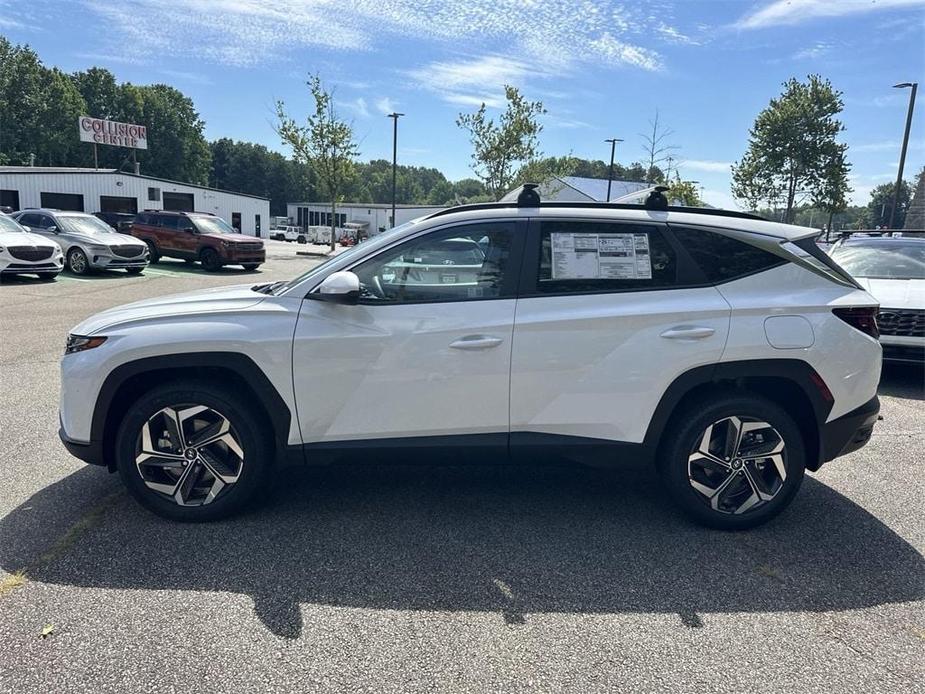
x=250, y=267
x=733, y=462
x=77, y=262
x=193, y=452
x=210, y=260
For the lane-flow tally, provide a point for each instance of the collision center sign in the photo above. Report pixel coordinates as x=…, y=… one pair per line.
x=110, y=132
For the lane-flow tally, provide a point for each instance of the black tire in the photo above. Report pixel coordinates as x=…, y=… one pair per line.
x=302, y=239
x=249, y=428
x=250, y=267
x=154, y=255
x=48, y=276
x=683, y=436
x=77, y=262
x=134, y=270
x=210, y=260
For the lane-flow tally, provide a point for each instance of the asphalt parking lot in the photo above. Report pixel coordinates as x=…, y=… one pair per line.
x=440, y=579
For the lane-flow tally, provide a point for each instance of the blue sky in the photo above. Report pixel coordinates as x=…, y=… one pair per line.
x=601, y=68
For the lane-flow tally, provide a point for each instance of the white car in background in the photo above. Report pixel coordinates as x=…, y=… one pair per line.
x=288, y=233
x=25, y=253
x=893, y=271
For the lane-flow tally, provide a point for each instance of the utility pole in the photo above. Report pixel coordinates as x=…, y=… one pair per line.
x=902, y=156
x=394, y=117
x=613, y=146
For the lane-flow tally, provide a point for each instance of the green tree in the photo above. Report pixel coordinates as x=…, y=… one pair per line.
x=881, y=200
x=793, y=152
x=685, y=192
x=501, y=149
x=324, y=144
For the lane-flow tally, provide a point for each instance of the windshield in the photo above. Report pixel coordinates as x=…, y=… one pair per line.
x=82, y=224
x=212, y=225
x=897, y=261
x=357, y=250
x=9, y=224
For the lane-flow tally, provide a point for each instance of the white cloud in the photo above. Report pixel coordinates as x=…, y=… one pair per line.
x=357, y=105
x=705, y=165
x=782, y=12
x=886, y=146
x=817, y=50
x=561, y=33
x=385, y=105
x=472, y=82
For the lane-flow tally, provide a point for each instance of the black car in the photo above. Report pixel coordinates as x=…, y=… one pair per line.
x=120, y=221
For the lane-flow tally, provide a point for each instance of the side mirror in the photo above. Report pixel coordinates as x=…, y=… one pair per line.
x=26, y=228
x=338, y=288
x=53, y=229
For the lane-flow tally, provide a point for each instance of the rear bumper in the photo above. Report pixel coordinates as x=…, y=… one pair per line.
x=851, y=431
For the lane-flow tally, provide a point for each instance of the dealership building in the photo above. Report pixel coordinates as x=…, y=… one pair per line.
x=369, y=217
x=111, y=190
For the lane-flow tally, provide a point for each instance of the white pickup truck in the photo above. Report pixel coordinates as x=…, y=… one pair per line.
x=288, y=233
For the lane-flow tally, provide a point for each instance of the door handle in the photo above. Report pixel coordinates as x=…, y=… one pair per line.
x=476, y=342
x=687, y=332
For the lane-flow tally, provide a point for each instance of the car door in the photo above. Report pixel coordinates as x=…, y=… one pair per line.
x=167, y=234
x=186, y=238
x=609, y=315
x=424, y=357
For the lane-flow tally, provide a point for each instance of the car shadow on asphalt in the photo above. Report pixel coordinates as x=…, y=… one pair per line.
x=903, y=381
x=511, y=540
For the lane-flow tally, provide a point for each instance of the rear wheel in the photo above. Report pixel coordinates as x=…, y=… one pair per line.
x=210, y=260
x=193, y=452
x=733, y=462
x=77, y=262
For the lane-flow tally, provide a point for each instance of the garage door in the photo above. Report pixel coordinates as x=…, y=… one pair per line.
x=63, y=201
x=114, y=203
x=178, y=202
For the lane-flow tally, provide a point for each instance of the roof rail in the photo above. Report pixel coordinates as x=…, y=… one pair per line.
x=709, y=211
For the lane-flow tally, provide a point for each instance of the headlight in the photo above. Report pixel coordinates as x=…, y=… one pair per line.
x=79, y=343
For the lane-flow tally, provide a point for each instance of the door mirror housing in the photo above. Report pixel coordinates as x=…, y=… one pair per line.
x=338, y=288
x=25, y=227
x=53, y=229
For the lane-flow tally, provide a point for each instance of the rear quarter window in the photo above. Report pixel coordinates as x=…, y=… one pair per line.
x=722, y=258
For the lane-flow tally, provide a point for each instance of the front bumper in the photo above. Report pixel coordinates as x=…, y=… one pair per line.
x=104, y=262
x=89, y=452
x=16, y=268
x=849, y=432
x=237, y=257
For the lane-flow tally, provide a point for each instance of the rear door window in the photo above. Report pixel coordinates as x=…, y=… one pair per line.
x=579, y=257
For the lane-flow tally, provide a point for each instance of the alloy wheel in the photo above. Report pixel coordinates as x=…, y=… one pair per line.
x=737, y=465
x=78, y=262
x=189, y=453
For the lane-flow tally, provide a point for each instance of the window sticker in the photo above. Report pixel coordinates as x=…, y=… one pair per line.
x=601, y=256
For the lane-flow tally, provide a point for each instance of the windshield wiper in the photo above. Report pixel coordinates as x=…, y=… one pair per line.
x=268, y=288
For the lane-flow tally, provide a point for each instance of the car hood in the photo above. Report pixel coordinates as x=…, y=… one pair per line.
x=896, y=293
x=17, y=238
x=230, y=238
x=176, y=305
x=110, y=239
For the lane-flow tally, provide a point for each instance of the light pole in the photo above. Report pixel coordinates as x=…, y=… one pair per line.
x=902, y=156
x=613, y=146
x=394, y=117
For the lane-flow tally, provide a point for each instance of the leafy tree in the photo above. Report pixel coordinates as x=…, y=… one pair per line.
x=324, y=144
x=685, y=192
x=881, y=200
x=501, y=149
x=793, y=152
x=250, y=168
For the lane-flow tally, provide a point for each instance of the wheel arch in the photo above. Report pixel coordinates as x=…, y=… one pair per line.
x=128, y=382
x=791, y=383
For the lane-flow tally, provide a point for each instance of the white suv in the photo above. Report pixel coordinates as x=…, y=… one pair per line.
x=727, y=350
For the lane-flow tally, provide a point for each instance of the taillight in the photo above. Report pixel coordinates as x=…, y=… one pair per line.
x=860, y=318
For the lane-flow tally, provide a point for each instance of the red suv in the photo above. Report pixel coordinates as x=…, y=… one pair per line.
x=197, y=236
